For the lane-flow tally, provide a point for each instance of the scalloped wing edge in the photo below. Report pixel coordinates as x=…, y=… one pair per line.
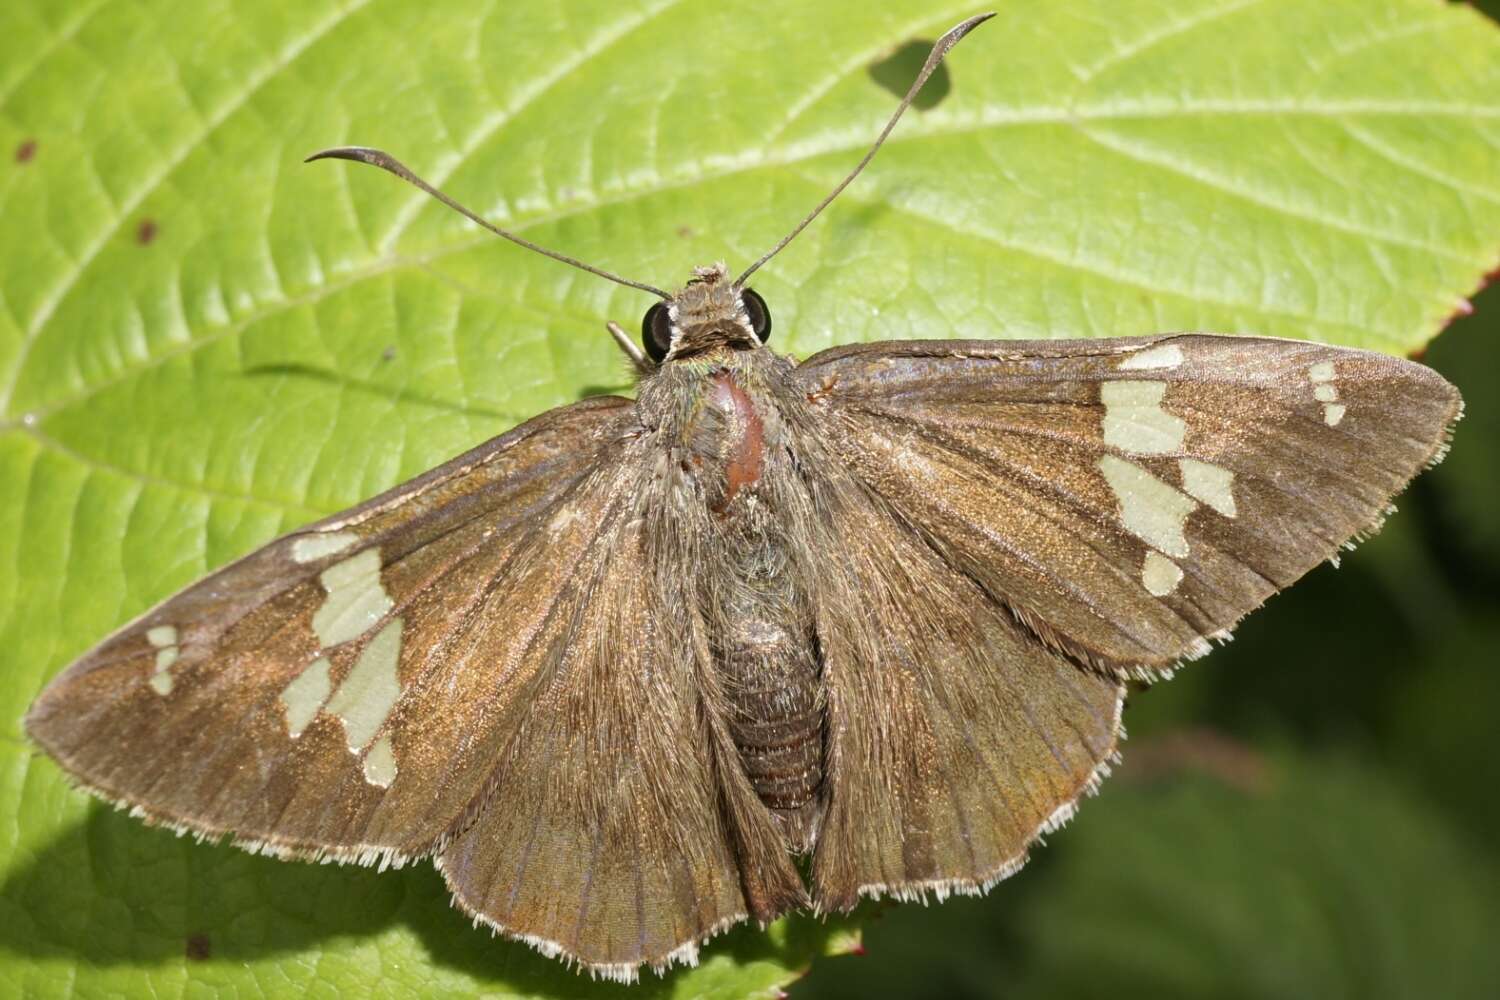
x=685, y=954
x=1148, y=675
x=941, y=889
x=361, y=855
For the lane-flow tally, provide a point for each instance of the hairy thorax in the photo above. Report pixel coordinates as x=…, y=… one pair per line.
x=738, y=499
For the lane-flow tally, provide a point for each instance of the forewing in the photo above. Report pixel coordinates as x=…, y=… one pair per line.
x=955, y=737
x=1129, y=499
x=344, y=691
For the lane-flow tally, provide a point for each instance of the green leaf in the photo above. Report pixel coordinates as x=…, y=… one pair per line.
x=1205, y=869
x=1468, y=482
x=1320, y=879
x=204, y=343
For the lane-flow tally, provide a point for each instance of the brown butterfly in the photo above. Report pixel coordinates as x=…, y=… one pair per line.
x=615, y=670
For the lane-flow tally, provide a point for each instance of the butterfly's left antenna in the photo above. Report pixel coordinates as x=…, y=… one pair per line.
x=385, y=161
x=939, y=50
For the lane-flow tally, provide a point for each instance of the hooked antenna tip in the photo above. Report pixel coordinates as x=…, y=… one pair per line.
x=359, y=154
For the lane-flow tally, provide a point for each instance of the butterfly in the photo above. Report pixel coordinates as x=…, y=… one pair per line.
x=617, y=670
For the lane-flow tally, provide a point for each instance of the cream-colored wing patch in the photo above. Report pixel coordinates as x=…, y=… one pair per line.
x=1135, y=421
x=356, y=599
x=164, y=638
x=370, y=691
x=304, y=696
x=356, y=602
x=311, y=548
x=1161, y=356
x=380, y=763
x=1160, y=575
x=1321, y=375
x=1150, y=509
x=1212, y=484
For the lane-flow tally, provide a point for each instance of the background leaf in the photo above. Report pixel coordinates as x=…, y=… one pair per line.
x=1222, y=874
x=203, y=343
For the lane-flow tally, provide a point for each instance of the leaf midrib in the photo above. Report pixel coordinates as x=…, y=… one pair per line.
x=796, y=155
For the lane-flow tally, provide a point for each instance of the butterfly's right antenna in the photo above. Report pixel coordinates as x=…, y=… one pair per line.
x=939, y=50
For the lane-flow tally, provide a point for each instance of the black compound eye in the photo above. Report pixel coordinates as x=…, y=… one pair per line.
x=656, y=332
x=760, y=314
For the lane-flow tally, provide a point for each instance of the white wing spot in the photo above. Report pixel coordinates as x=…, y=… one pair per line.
x=380, y=763
x=356, y=600
x=368, y=694
x=311, y=548
x=1160, y=575
x=1135, y=421
x=305, y=695
x=1161, y=356
x=164, y=639
x=1212, y=484
x=1321, y=376
x=1150, y=509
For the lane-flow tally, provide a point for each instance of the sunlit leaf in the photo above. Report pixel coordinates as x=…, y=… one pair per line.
x=203, y=342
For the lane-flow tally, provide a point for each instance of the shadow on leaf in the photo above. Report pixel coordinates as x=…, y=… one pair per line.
x=114, y=892
x=397, y=394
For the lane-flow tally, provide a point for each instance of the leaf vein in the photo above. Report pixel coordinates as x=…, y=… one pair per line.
x=153, y=182
x=1099, y=270
x=1138, y=153
x=606, y=40
x=57, y=41
x=94, y=464
x=1151, y=39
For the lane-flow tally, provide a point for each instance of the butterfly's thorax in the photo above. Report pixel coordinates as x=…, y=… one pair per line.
x=724, y=424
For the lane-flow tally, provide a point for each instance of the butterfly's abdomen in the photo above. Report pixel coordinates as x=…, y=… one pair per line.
x=771, y=677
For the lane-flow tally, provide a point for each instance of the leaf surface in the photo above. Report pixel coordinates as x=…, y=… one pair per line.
x=204, y=343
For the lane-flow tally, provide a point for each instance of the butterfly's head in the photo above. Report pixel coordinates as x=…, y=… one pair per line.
x=711, y=312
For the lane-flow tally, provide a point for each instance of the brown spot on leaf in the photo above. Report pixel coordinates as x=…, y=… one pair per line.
x=26, y=151
x=686, y=232
x=198, y=947
x=145, y=232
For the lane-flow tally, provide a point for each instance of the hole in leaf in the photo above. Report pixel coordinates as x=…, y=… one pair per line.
x=896, y=72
